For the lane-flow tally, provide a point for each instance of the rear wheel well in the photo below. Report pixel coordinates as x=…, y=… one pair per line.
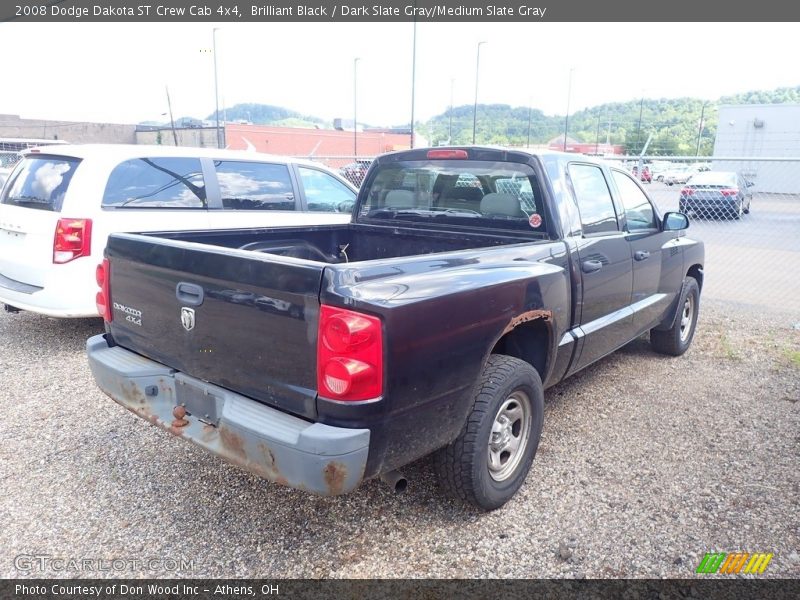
x=529, y=342
x=696, y=271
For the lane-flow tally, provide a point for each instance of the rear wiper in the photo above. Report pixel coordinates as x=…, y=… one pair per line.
x=29, y=199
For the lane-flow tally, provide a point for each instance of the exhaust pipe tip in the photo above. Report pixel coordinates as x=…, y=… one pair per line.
x=396, y=481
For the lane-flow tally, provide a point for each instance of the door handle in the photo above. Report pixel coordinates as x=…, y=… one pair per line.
x=641, y=255
x=189, y=293
x=590, y=266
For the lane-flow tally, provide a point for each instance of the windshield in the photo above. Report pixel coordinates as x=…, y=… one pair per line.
x=40, y=182
x=494, y=195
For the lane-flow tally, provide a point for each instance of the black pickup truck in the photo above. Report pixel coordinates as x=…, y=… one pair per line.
x=469, y=280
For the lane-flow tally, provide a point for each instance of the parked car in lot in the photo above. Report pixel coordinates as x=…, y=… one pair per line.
x=645, y=176
x=61, y=203
x=468, y=280
x=355, y=172
x=716, y=194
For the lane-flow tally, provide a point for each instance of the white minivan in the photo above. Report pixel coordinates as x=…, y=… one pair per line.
x=60, y=203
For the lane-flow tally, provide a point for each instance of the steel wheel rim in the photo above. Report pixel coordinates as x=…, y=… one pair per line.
x=509, y=437
x=686, y=317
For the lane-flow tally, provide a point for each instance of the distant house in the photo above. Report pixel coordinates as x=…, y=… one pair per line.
x=573, y=145
x=760, y=131
x=297, y=141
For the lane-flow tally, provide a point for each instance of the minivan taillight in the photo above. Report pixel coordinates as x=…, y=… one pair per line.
x=349, y=355
x=72, y=240
x=103, y=298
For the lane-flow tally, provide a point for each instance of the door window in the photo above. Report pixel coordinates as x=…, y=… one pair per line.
x=638, y=211
x=254, y=185
x=156, y=183
x=324, y=193
x=594, y=199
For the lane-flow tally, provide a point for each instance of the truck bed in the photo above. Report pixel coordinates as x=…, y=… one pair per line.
x=333, y=244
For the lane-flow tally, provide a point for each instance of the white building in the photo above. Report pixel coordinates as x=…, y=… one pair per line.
x=760, y=131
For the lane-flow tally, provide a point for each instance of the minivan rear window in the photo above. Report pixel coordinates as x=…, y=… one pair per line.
x=156, y=183
x=40, y=182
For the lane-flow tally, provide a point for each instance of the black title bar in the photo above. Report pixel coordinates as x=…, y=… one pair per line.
x=530, y=11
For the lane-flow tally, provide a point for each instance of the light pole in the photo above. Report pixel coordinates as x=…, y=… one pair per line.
x=700, y=129
x=639, y=126
x=475, y=107
x=450, y=123
x=355, y=106
x=566, y=119
x=413, y=75
x=216, y=85
x=530, y=111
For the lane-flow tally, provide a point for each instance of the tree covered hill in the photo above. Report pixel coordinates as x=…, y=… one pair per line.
x=674, y=123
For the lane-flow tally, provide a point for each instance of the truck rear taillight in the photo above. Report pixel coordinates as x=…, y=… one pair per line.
x=349, y=355
x=729, y=192
x=687, y=191
x=73, y=239
x=103, y=298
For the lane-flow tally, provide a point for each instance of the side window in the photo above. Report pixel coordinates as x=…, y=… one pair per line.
x=594, y=199
x=254, y=185
x=156, y=183
x=324, y=193
x=638, y=211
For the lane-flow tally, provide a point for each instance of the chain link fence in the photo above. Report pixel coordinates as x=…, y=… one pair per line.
x=746, y=210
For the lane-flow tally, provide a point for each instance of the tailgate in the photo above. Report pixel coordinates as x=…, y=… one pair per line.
x=242, y=320
x=26, y=243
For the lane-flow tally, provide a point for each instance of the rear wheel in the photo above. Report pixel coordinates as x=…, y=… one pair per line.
x=677, y=339
x=492, y=455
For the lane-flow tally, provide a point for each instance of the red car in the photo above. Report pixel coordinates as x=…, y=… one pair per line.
x=647, y=176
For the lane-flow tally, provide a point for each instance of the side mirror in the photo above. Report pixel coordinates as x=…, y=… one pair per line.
x=749, y=184
x=675, y=221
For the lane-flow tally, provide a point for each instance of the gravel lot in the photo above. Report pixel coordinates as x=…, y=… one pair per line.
x=645, y=464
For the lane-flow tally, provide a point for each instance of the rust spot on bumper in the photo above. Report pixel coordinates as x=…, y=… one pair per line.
x=335, y=474
x=232, y=441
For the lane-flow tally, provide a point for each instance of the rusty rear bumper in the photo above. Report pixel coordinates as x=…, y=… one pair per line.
x=279, y=447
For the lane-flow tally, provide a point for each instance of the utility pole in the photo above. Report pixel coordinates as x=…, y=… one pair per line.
x=566, y=119
x=216, y=85
x=475, y=107
x=450, y=124
x=530, y=110
x=639, y=126
x=171, y=120
x=413, y=74
x=355, y=106
x=700, y=129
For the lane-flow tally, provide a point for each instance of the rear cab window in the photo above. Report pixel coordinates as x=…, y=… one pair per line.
x=156, y=183
x=482, y=194
x=40, y=182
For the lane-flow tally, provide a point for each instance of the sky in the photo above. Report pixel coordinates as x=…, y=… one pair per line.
x=118, y=72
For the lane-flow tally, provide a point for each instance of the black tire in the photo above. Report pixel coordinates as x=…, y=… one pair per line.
x=677, y=339
x=463, y=467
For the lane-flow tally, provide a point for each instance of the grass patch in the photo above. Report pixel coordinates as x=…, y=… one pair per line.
x=792, y=357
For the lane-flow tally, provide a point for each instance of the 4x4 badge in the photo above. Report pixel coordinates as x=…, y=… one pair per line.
x=187, y=318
